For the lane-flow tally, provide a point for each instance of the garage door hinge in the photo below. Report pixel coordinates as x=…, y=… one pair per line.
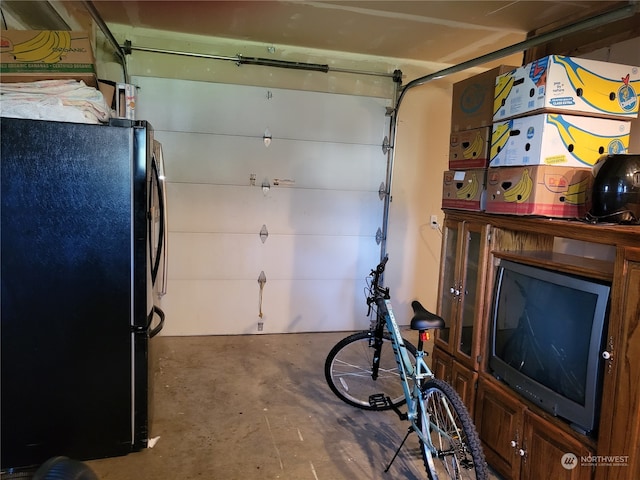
x=264, y=233
x=382, y=192
x=386, y=145
x=379, y=236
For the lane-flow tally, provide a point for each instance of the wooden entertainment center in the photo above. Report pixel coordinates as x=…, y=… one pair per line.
x=521, y=441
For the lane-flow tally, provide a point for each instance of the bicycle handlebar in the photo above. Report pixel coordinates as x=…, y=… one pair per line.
x=381, y=265
x=376, y=289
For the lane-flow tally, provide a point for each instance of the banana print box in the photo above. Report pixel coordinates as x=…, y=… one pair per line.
x=469, y=149
x=554, y=139
x=549, y=191
x=31, y=55
x=464, y=190
x=571, y=85
x=472, y=102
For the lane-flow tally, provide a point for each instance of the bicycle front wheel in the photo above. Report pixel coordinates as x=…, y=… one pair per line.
x=348, y=371
x=457, y=453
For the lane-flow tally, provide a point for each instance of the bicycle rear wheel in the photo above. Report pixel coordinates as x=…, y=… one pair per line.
x=458, y=452
x=348, y=370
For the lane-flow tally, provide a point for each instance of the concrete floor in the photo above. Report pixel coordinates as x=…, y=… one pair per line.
x=258, y=407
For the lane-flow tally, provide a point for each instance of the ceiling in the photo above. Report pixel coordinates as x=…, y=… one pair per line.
x=447, y=32
x=444, y=32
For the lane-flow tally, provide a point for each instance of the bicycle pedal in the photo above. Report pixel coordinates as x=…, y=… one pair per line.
x=378, y=400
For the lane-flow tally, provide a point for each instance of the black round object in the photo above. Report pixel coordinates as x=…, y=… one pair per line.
x=616, y=189
x=63, y=468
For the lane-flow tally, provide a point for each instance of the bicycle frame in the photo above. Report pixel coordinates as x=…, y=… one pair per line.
x=407, y=370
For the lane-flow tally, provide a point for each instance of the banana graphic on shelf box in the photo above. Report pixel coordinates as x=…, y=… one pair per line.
x=470, y=188
x=607, y=95
x=46, y=47
x=475, y=148
x=577, y=192
x=521, y=191
x=584, y=145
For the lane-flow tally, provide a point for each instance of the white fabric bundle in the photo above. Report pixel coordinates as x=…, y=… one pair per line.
x=62, y=100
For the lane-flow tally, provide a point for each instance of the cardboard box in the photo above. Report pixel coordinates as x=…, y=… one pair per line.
x=108, y=90
x=554, y=139
x=469, y=148
x=550, y=191
x=568, y=85
x=126, y=101
x=472, y=105
x=464, y=190
x=32, y=55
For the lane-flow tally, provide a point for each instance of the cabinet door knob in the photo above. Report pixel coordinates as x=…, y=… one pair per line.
x=521, y=452
x=607, y=355
x=513, y=443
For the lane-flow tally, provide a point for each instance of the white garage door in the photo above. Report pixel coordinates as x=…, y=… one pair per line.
x=267, y=239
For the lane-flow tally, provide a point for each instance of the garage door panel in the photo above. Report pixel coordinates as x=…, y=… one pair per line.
x=223, y=208
x=196, y=256
x=311, y=257
x=248, y=111
x=231, y=160
x=211, y=307
x=297, y=306
x=224, y=307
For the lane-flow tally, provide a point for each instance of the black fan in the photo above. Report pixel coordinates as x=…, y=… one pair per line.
x=63, y=468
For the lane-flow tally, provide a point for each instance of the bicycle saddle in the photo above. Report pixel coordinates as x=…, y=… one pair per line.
x=423, y=319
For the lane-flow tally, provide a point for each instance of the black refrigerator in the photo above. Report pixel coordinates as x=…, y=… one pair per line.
x=83, y=242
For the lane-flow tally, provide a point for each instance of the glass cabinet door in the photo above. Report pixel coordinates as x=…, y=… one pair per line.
x=448, y=299
x=461, y=301
x=469, y=287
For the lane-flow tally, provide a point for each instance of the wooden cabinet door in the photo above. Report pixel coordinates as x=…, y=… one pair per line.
x=498, y=419
x=464, y=381
x=549, y=453
x=620, y=413
x=441, y=364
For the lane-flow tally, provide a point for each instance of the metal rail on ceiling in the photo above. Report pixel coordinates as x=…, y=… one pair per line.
x=128, y=47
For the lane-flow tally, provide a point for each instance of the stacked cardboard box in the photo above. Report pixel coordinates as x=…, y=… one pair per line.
x=471, y=121
x=553, y=119
x=31, y=55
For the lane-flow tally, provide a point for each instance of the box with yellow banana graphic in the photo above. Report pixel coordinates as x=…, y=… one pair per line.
x=464, y=190
x=568, y=85
x=545, y=190
x=469, y=148
x=31, y=55
x=554, y=139
x=472, y=102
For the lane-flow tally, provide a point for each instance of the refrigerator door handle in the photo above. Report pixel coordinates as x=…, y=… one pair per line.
x=156, y=330
x=162, y=257
x=161, y=227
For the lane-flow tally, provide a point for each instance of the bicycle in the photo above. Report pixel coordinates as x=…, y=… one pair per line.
x=377, y=369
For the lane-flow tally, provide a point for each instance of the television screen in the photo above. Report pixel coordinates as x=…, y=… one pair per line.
x=546, y=338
